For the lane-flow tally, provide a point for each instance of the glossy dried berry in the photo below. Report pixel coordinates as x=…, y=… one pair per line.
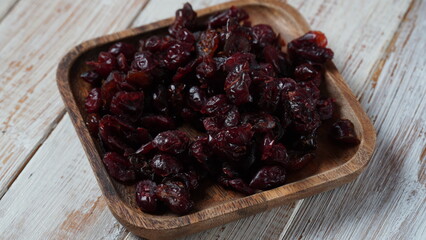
x=127, y=104
x=164, y=165
x=93, y=101
x=176, y=196
x=119, y=167
x=343, y=131
x=268, y=177
x=146, y=198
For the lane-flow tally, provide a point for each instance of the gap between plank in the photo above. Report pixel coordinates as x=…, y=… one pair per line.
x=8, y=11
x=55, y=122
x=49, y=131
x=376, y=72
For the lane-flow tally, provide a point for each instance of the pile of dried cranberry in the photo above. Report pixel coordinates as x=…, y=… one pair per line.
x=257, y=108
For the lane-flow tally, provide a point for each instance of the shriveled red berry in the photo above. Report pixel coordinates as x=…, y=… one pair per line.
x=119, y=167
x=91, y=77
x=164, y=165
x=146, y=198
x=93, y=101
x=343, y=131
x=176, y=196
x=127, y=104
x=268, y=177
x=158, y=123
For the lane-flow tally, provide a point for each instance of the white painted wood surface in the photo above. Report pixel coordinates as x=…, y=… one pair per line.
x=56, y=196
x=33, y=38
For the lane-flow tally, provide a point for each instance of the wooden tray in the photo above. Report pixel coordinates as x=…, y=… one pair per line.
x=214, y=205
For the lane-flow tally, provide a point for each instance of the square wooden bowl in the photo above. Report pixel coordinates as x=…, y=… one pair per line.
x=215, y=206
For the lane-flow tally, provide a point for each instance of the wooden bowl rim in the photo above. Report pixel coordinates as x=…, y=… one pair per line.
x=260, y=201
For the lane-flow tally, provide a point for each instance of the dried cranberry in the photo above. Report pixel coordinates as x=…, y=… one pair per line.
x=263, y=35
x=239, y=185
x=232, y=142
x=105, y=65
x=119, y=136
x=146, y=197
x=126, y=49
x=164, y=165
x=158, y=123
x=92, y=123
x=93, y=101
x=185, y=18
x=109, y=88
x=91, y=77
x=310, y=47
x=262, y=122
x=325, y=108
x=119, y=167
x=196, y=98
x=268, y=177
x=216, y=105
x=272, y=91
x=206, y=69
x=343, y=131
x=143, y=61
x=221, y=18
x=176, y=196
x=237, y=87
x=173, y=142
x=297, y=161
x=277, y=59
x=200, y=150
x=208, y=43
x=127, y=104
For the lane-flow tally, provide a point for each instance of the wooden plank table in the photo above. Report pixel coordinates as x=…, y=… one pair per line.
x=48, y=191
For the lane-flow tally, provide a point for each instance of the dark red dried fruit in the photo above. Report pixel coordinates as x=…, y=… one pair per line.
x=325, y=108
x=121, y=47
x=200, y=150
x=158, y=123
x=297, y=161
x=146, y=197
x=92, y=122
x=343, y=131
x=119, y=167
x=216, y=105
x=91, y=77
x=120, y=136
x=127, y=104
x=268, y=177
x=176, y=196
x=239, y=185
x=310, y=47
x=208, y=43
x=93, y=101
x=144, y=61
x=232, y=143
x=221, y=18
x=165, y=164
x=105, y=65
x=185, y=18
x=263, y=35
x=196, y=98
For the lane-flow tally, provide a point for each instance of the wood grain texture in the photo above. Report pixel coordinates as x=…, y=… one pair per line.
x=33, y=38
x=216, y=205
x=388, y=201
x=49, y=201
x=5, y=7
